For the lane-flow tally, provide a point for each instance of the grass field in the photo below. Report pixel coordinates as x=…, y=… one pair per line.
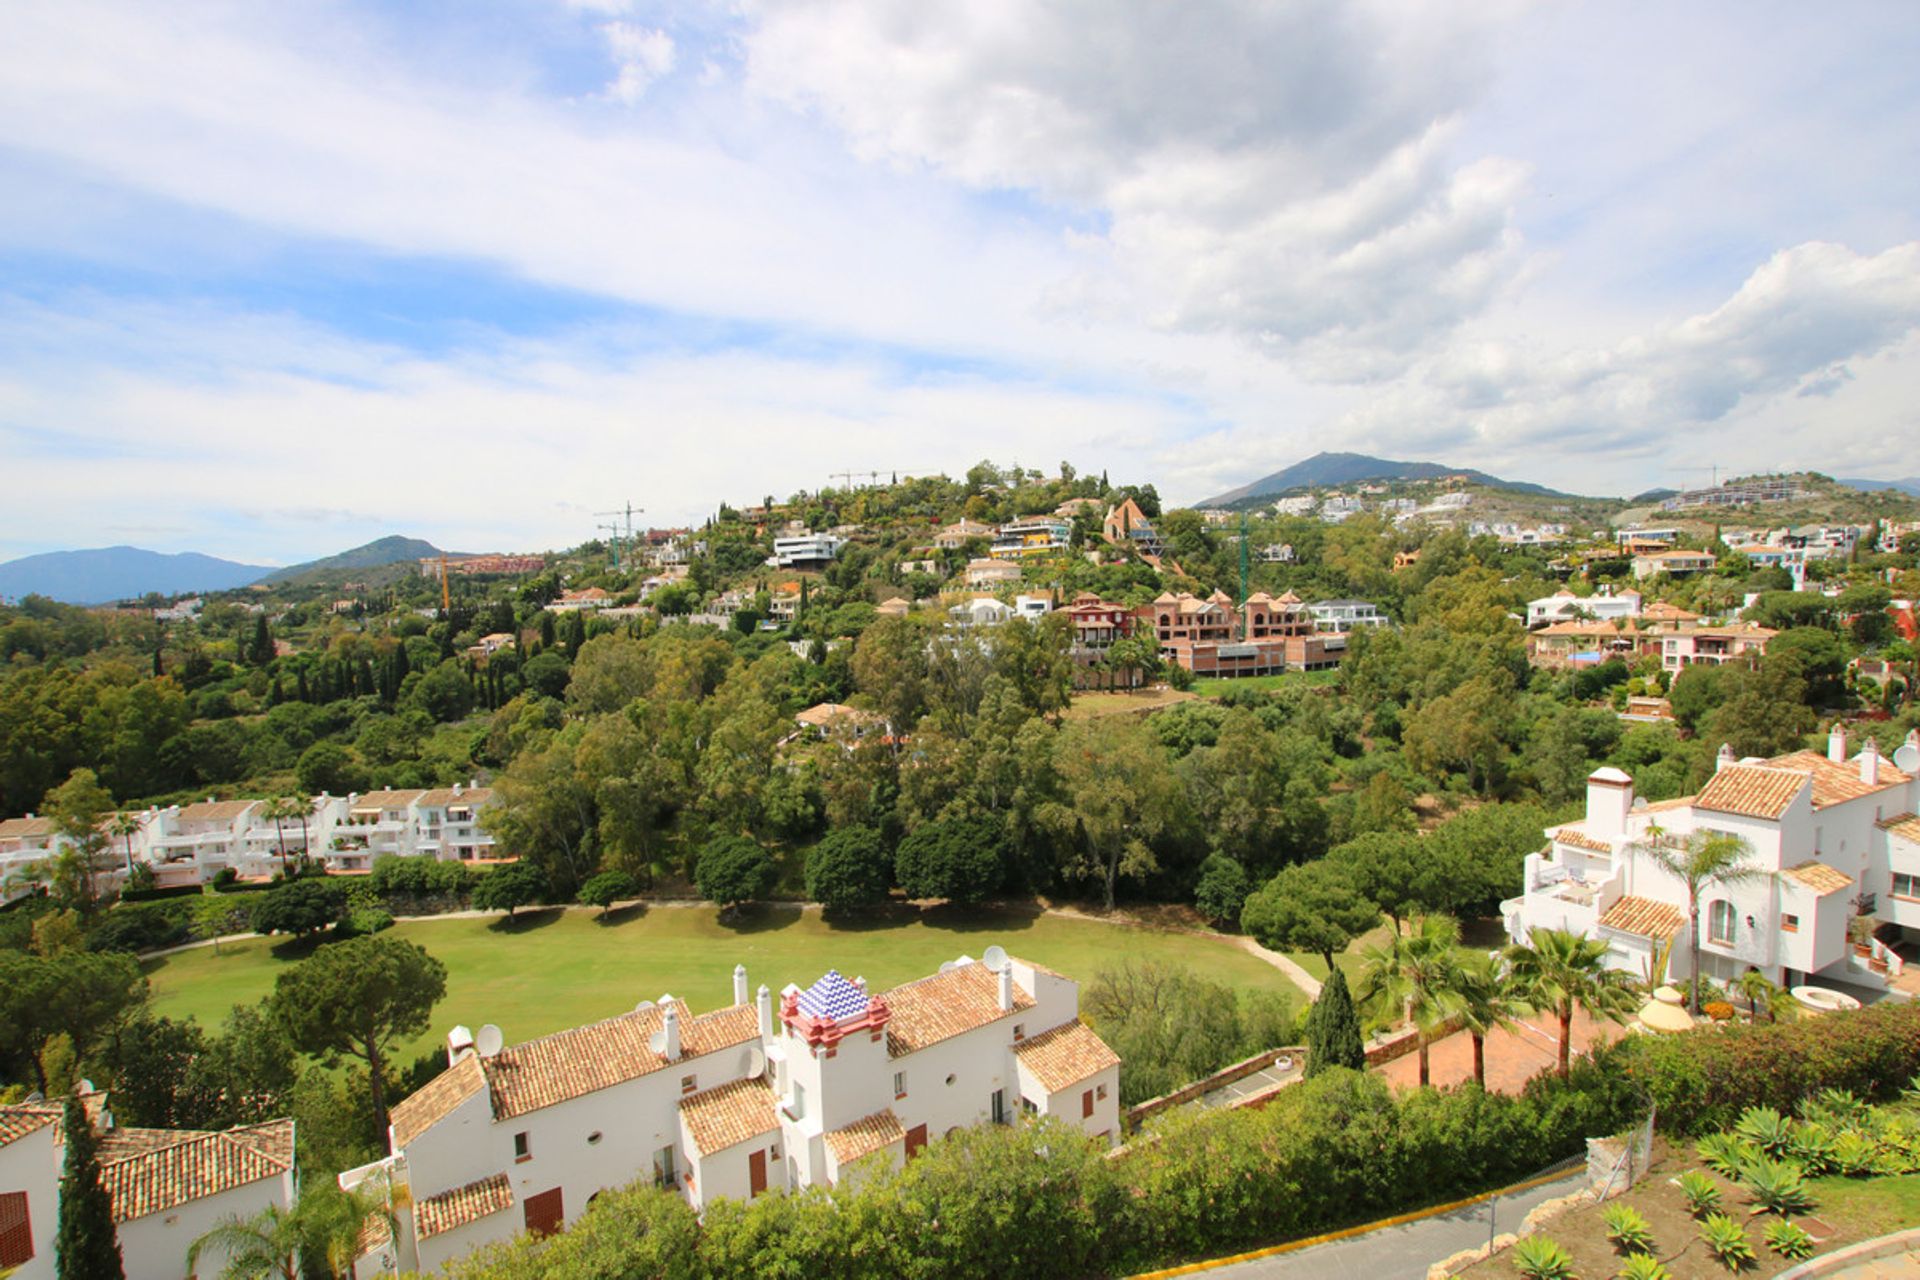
x=1213, y=688
x=561, y=969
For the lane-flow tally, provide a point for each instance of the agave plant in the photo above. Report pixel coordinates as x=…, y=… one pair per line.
x=1855, y=1155
x=1766, y=1129
x=1778, y=1187
x=1702, y=1193
x=1788, y=1240
x=1726, y=1242
x=1813, y=1148
x=1726, y=1154
x=1628, y=1229
x=1643, y=1266
x=1841, y=1105
x=1542, y=1259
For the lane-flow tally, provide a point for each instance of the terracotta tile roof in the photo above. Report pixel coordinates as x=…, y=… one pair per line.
x=945, y=1005
x=215, y=810
x=472, y=797
x=147, y=1171
x=385, y=800
x=22, y=828
x=1037, y=968
x=572, y=1063
x=437, y=1215
x=1581, y=840
x=1066, y=1055
x=1751, y=791
x=1836, y=783
x=718, y=1118
x=1645, y=917
x=21, y=1119
x=1904, y=825
x=434, y=1101
x=1820, y=877
x=1667, y=806
x=864, y=1136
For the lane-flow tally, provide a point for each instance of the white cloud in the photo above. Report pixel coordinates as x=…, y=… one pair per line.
x=642, y=54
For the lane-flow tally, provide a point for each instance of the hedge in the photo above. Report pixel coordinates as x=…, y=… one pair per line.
x=155, y=895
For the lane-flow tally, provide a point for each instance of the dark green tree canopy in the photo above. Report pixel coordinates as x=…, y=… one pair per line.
x=1333, y=1029
x=301, y=906
x=87, y=1247
x=960, y=859
x=1311, y=907
x=850, y=867
x=508, y=888
x=734, y=870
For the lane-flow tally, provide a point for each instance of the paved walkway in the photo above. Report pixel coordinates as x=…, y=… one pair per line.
x=1513, y=1056
x=1401, y=1252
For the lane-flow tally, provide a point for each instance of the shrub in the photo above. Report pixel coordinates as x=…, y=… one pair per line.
x=362, y=921
x=140, y=927
x=1539, y=1258
x=1718, y=1010
x=1222, y=890
x=1778, y=1187
x=1628, y=1229
x=1788, y=1240
x=397, y=873
x=510, y=887
x=1643, y=1266
x=1703, y=1195
x=1727, y=1242
x=301, y=907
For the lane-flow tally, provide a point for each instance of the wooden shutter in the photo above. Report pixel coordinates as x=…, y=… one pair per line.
x=16, y=1230
x=545, y=1212
x=756, y=1173
x=1086, y=1104
x=916, y=1139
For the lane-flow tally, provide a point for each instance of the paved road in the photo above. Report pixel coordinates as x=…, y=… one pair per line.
x=1403, y=1252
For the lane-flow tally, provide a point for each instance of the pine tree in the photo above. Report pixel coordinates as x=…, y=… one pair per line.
x=1333, y=1032
x=86, y=1247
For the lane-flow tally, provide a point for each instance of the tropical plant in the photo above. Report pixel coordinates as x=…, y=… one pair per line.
x=1789, y=1240
x=1487, y=999
x=1643, y=1266
x=283, y=809
x=1539, y=1258
x=319, y=1236
x=1416, y=972
x=1627, y=1229
x=1766, y=1129
x=1814, y=1148
x=1762, y=992
x=1725, y=1153
x=1727, y=1242
x=126, y=826
x=1778, y=1187
x=1563, y=971
x=1702, y=860
x=1702, y=1193
x=1854, y=1154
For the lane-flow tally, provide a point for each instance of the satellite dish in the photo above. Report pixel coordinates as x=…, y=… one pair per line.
x=948, y=966
x=753, y=1063
x=490, y=1041
x=658, y=1043
x=644, y=1006
x=1907, y=758
x=994, y=957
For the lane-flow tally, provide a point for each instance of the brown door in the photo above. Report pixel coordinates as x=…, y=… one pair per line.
x=1086, y=1103
x=756, y=1173
x=544, y=1213
x=916, y=1139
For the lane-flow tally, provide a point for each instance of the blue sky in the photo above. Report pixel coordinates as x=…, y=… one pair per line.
x=279, y=279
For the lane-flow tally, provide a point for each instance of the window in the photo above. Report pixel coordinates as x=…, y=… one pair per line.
x=799, y=1108
x=689, y=1084
x=899, y=1084
x=1906, y=886
x=1100, y=1092
x=16, y=1231
x=1789, y=923
x=1720, y=922
x=522, y=1147
x=663, y=1167
x=1019, y=1032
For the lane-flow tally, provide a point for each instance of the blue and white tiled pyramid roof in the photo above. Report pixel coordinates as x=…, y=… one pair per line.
x=833, y=998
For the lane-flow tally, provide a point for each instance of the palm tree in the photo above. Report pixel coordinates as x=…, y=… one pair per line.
x=1417, y=971
x=1488, y=1000
x=125, y=825
x=1762, y=993
x=1564, y=971
x=283, y=809
x=319, y=1235
x=1702, y=860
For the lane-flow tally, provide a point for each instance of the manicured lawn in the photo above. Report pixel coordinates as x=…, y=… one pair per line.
x=1088, y=706
x=561, y=969
x=1213, y=688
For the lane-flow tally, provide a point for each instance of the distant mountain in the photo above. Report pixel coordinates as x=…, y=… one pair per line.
x=1651, y=495
x=1331, y=470
x=1909, y=486
x=392, y=549
x=121, y=573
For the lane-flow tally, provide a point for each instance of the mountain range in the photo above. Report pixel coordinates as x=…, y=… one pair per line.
x=1330, y=470
x=105, y=574
x=1909, y=486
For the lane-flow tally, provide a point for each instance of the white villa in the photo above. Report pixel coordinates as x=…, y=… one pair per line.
x=1564, y=606
x=167, y=1187
x=1836, y=835
x=765, y=1095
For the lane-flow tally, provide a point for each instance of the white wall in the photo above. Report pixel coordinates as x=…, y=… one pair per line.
x=32, y=1164
x=450, y=1246
x=155, y=1247
x=1069, y=1103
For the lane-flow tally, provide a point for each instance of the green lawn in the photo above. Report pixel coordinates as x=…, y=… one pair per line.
x=1210, y=687
x=562, y=969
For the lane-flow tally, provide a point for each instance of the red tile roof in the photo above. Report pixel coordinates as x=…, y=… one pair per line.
x=437, y=1215
x=572, y=1063
x=1645, y=917
x=147, y=1171
x=1836, y=783
x=1066, y=1055
x=436, y=1100
x=864, y=1136
x=1581, y=840
x=1751, y=791
x=21, y=1119
x=719, y=1118
x=1820, y=877
x=946, y=1005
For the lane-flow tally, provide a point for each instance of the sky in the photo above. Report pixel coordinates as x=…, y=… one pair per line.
x=279, y=279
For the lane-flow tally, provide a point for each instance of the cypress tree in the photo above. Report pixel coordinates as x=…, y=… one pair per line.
x=1333, y=1032
x=86, y=1247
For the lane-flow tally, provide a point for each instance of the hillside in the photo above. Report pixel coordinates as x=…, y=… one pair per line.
x=1909, y=486
x=393, y=549
x=105, y=574
x=1331, y=470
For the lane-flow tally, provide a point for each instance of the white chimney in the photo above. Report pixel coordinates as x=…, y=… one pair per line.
x=1006, y=988
x=1725, y=758
x=670, y=1030
x=766, y=1012
x=1837, y=743
x=1869, y=761
x=459, y=1044
x=1609, y=801
x=739, y=984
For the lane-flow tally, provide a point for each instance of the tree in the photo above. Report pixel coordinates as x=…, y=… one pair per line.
x=1765, y=712
x=734, y=870
x=1172, y=1025
x=1700, y=861
x=547, y=673
x=1822, y=660
x=508, y=888
x=1311, y=907
x=1487, y=1000
x=320, y=1235
x=86, y=1246
x=326, y=767
x=260, y=649
x=126, y=826
x=959, y=859
x=79, y=808
x=1415, y=971
x=1761, y=993
x=607, y=888
x=282, y=809
x=1222, y=889
x=1115, y=796
x=81, y=995
x=301, y=907
x=360, y=997
x=1386, y=867
x=1563, y=971
x=850, y=868
x=1333, y=1029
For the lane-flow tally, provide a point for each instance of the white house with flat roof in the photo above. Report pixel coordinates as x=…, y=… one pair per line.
x=768, y=1094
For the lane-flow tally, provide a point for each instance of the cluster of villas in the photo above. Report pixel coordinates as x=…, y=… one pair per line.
x=1833, y=838
x=195, y=843
x=1581, y=631
x=771, y=1093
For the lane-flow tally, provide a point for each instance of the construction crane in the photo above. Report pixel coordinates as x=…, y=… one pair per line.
x=615, y=529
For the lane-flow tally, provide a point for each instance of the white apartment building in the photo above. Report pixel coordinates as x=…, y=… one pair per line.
x=167, y=1187
x=805, y=551
x=1338, y=617
x=25, y=843
x=1562, y=606
x=769, y=1094
x=1835, y=836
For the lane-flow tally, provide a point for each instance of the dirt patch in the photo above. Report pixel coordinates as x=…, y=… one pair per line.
x=1844, y=1213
